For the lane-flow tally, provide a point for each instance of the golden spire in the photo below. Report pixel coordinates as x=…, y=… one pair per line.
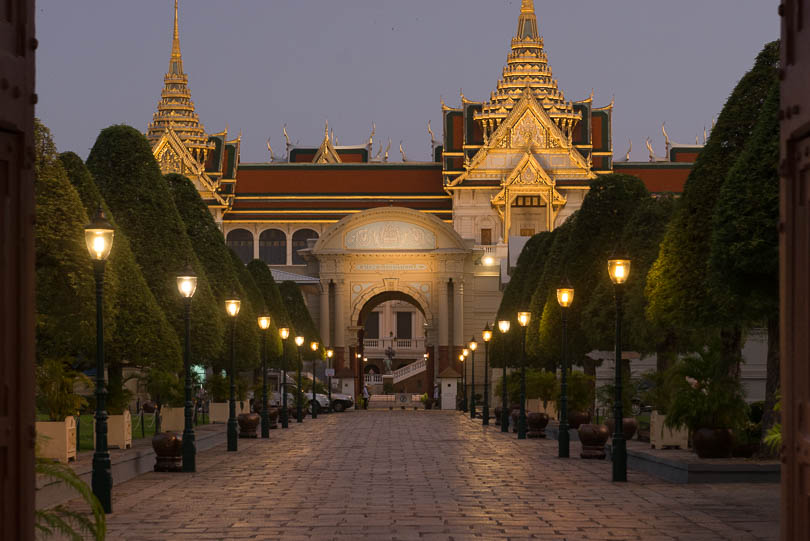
x=176, y=62
x=527, y=23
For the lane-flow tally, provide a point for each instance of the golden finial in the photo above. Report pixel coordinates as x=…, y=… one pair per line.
x=402, y=151
x=629, y=150
x=432, y=140
x=385, y=157
x=650, y=150
x=705, y=135
x=527, y=6
x=326, y=130
x=270, y=149
x=590, y=98
x=666, y=137
x=371, y=137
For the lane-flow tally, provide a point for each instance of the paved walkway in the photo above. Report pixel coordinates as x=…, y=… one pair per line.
x=416, y=475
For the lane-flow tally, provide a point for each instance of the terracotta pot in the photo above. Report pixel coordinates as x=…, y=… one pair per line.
x=713, y=442
x=629, y=427
x=576, y=418
x=537, y=424
x=593, y=439
x=272, y=414
x=515, y=417
x=498, y=413
x=248, y=422
x=168, y=448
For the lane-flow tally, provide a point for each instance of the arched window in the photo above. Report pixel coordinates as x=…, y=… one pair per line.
x=299, y=242
x=273, y=247
x=241, y=242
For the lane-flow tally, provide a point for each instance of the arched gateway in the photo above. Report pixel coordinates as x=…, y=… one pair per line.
x=395, y=253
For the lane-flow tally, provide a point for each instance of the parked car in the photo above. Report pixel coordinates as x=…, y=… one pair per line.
x=323, y=400
x=341, y=402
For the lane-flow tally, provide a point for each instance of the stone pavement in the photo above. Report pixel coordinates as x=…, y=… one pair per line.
x=419, y=475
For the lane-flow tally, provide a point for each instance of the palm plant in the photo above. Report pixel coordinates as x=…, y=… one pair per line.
x=63, y=521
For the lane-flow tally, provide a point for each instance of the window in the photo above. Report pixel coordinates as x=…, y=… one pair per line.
x=528, y=201
x=526, y=231
x=241, y=242
x=273, y=247
x=372, y=326
x=405, y=325
x=299, y=242
x=486, y=236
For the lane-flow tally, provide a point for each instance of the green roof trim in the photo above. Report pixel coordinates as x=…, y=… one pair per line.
x=335, y=166
x=630, y=166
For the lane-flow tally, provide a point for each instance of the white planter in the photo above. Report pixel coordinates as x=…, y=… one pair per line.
x=220, y=411
x=57, y=439
x=661, y=436
x=172, y=419
x=119, y=430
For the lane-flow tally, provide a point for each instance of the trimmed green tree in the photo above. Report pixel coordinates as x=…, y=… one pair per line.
x=300, y=318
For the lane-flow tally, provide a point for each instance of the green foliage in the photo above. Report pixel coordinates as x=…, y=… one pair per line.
x=300, y=318
x=388, y=387
x=128, y=177
x=580, y=391
x=540, y=384
x=705, y=394
x=274, y=304
x=65, y=521
x=216, y=385
x=606, y=394
x=660, y=388
x=165, y=387
x=679, y=286
x=773, y=439
x=320, y=387
x=142, y=336
x=65, y=291
x=55, y=389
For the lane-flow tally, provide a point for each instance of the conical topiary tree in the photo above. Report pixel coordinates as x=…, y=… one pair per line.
x=301, y=319
x=264, y=281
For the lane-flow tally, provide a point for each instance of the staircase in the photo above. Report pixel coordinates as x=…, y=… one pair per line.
x=409, y=370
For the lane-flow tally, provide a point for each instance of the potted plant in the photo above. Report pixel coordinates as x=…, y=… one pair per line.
x=658, y=387
x=56, y=437
x=216, y=385
x=580, y=398
x=427, y=401
x=708, y=400
x=119, y=420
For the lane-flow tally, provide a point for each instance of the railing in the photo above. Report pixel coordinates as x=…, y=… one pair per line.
x=487, y=248
x=410, y=370
x=371, y=343
x=373, y=379
x=380, y=344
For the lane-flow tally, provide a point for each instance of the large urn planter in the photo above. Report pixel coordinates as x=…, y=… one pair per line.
x=629, y=427
x=119, y=430
x=57, y=439
x=272, y=414
x=662, y=437
x=593, y=439
x=713, y=442
x=248, y=423
x=498, y=413
x=172, y=419
x=537, y=423
x=577, y=418
x=168, y=448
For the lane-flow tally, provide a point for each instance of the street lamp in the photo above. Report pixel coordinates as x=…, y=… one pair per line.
x=463, y=402
x=284, y=332
x=619, y=270
x=299, y=417
x=232, y=306
x=503, y=326
x=486, y=334
x=523, y=318
x=565, y=296
x=187, y=285
x=314, y=347
x=98, y=235
x=329, y=354
x=473, y=345
x=466, y=353
x=264, y=324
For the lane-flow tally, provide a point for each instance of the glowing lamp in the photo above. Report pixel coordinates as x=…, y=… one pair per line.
x=313, y=346
x=232, y=306
x=524, y=318
x=299, y=341
x=187, y=283
x=473, y=345
x=619, y=270
x=565, y=296
x=503, y=325
x=330, y=353
x=264, y=322
x=284, y=333
x=98, y=235
x=486, y=334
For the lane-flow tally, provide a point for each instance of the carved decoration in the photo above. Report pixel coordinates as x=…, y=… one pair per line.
x=528, y=131
x=390, y=235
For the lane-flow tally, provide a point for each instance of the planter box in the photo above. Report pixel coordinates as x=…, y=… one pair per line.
x=57, y=439
x=119, y=430
x=172, y=419
x=219, y=410
x=661, y=436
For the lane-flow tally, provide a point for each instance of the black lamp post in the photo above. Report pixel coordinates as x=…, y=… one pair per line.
x=98, y=235
x=299, y=417
x=232, y=306
x=523, y=319
x=329, y=354
x=187, y=285
x=284, y=332
x=565, y=296
x=264, y=324
x=465, y=380
x=314, y=347
x=619, y=269
x=486, y=334
x=473, y=345
x=503, y=326
x=463, y=402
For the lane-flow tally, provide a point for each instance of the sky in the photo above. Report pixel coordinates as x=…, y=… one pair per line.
x=255, y=65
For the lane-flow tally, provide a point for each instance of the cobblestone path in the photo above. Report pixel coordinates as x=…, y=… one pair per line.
x=416, y=475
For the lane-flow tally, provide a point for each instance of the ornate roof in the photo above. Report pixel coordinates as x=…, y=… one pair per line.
x=175, y=109
x=527, y=67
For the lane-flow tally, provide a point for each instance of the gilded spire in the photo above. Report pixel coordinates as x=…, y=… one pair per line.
x=527, y=70
x=175, y=109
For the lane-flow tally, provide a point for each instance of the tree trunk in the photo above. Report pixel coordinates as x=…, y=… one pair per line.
x=731, y=344
x=772, y=378
x=667, y=352
x=115, y=387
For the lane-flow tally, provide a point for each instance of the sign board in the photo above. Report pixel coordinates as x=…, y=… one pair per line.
x=330, y=372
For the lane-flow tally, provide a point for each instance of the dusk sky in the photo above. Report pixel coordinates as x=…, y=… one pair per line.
x=254, y=65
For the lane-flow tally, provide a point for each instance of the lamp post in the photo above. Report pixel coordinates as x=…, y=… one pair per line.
x=473, y=345
x=299, y=413
x=284, y=332
x=314, y=347
x=503, y=326
x=486, y=334
x=523, y=319
x=232, y=306
x=463, y=402
x=565, y=296
x=264, y=324
x=618, y=269
x=187, y=285
x=465, y=380
x=98, y=235
x=329, y=354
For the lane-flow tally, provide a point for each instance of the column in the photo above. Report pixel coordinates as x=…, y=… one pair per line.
x=458, y=313
x=256, y=236
x=443, y=324
x=340, y=310
x=324, y=315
